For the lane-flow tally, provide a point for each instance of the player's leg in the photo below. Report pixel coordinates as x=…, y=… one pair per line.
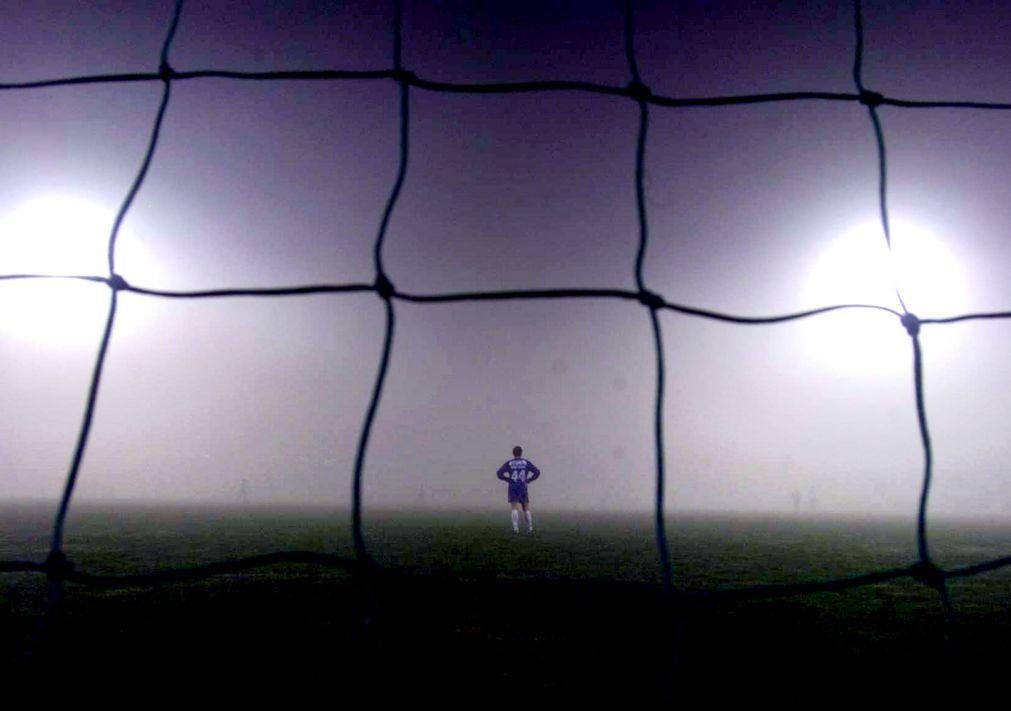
x=515, y=514
x=529, y=516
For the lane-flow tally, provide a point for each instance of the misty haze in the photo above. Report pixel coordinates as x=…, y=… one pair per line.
x=228, y=425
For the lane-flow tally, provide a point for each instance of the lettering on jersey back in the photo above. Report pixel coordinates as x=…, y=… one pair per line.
x=519, y=470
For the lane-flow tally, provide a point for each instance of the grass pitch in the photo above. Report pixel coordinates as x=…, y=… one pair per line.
x=473, y=612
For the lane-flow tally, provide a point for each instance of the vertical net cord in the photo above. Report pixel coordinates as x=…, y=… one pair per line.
x=650, y=300
x=872, y=100
x=928, y=571
x=386, y=291
x=57, y=566
x=115, y=284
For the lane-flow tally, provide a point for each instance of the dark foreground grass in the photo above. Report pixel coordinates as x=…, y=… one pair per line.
x=468, y=612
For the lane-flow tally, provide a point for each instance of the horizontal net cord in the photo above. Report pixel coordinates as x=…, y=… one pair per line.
x=65, y=569
x=655, y=300
x=633, y=91
x=499, y=295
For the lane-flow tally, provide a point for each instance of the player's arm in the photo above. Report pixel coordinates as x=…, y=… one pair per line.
x=502, y=472
x=533, y=470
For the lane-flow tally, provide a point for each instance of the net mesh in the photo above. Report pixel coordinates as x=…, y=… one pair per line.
x=59, y=570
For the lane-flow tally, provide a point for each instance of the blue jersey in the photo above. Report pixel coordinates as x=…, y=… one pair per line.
x=518, y=471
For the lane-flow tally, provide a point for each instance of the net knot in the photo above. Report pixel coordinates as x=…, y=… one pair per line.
x=638, y=91
x=928, y=574
x=650, y=299
x=57, y=566
x=403, y=76
x=871, y=98
x=384, y=287
x=912, y=324
x=117, y=283
x=165, y=71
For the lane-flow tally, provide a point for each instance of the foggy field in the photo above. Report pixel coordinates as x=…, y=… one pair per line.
x=571, y=612
x=740, y=257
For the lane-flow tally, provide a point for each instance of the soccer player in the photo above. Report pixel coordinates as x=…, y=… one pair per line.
x=519, y=472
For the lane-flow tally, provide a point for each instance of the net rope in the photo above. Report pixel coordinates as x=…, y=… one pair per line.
x=59, y=570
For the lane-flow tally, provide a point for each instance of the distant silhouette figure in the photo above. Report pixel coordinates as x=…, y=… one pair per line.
x=519, y=472
x=244, y=491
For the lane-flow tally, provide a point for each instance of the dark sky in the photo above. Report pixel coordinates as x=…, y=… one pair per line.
x=283, y=183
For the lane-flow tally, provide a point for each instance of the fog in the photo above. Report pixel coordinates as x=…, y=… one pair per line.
x=258, y=184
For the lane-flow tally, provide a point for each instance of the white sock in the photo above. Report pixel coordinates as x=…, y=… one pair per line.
x=516, y=520
x=530, y=521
